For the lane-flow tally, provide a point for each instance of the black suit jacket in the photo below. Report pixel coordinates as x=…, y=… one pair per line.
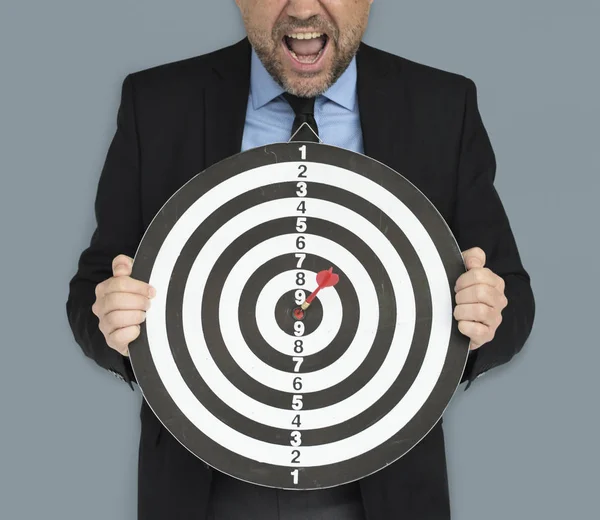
x=177, y=119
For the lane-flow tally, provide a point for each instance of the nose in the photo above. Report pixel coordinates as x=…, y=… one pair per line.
x=303, y=9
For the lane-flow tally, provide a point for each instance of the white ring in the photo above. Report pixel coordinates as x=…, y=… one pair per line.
x=266, y=322
x=377, y=433
x=193, y=328
x=329, y=376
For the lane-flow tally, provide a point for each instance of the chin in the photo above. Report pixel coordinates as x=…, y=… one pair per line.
x=307, y=84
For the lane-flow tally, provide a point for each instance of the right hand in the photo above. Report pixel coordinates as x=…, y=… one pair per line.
x=121, y=305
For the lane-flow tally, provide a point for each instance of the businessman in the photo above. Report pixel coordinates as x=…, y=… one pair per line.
x=302, y=61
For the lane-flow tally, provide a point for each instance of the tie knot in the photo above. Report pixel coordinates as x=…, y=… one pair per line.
x=301, y=106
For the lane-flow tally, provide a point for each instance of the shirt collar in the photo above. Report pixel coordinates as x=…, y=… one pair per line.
x=265, y=89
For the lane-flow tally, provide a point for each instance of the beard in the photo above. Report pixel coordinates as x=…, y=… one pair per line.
x=268, y=49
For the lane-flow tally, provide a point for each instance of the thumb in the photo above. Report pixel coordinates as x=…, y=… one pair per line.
x=474, y=257
x=122, y=265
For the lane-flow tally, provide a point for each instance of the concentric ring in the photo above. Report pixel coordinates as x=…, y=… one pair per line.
x=283, y=312
x=277, y=338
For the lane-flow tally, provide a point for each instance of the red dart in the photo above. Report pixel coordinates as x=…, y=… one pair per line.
x=324, y=279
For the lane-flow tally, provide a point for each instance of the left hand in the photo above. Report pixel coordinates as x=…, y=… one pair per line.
x=480, y=299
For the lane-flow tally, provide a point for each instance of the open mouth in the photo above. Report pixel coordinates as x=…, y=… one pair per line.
x=306, y=48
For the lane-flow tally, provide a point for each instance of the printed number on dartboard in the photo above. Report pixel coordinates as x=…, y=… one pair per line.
x=299, y=296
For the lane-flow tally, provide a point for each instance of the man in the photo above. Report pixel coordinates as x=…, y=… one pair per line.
x=176, y=120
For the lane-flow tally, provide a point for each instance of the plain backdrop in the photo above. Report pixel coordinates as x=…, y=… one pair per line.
x=522, y=443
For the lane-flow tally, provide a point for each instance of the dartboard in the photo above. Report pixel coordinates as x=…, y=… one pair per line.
x=302, y=335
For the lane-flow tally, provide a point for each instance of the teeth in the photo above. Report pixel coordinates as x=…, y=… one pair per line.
x=305, y=36
x=306, y=59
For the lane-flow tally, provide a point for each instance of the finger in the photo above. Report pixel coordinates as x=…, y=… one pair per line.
x=477, y=332
x=481, y=294
x=126, y=284
x=122, y=265
x=478, y=312
x=121, y=338
x=477, y=275
x=123, y=302
x=122, y=319
x=474, y=257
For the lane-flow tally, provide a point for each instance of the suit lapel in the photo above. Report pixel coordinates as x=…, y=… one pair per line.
x=382, y=112
x=225, y=103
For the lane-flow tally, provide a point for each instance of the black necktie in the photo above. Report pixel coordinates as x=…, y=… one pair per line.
x=304, y=110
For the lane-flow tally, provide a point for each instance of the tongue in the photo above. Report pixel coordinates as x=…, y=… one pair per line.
x=306, y=47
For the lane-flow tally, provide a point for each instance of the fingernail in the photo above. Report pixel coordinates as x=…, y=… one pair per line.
x=151, y=292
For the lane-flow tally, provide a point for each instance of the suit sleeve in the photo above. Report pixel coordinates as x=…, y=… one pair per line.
x=481, y=221
x=118, y=231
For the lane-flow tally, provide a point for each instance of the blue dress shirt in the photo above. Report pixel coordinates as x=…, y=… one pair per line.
x=269, y=117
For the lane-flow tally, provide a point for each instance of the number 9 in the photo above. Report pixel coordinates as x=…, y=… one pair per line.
x=298, y=328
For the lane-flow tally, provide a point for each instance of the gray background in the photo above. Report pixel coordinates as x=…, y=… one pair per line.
x=522, y=442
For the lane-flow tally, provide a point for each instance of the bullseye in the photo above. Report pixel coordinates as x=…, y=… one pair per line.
x=302, y=335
